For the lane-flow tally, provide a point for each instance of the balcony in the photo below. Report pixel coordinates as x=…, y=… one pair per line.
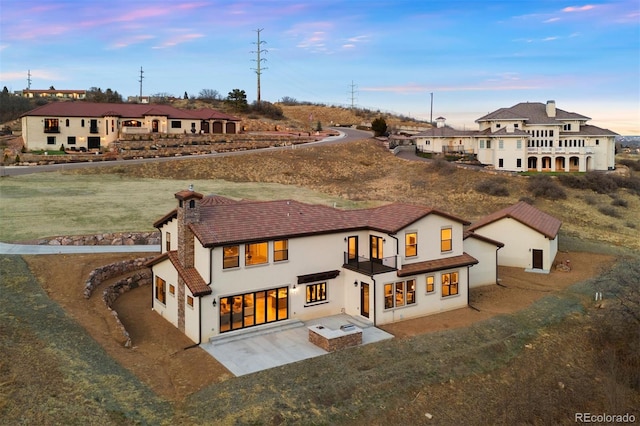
x=52, y=129
x=561, y=150
x=94, y=130
x=370, y=266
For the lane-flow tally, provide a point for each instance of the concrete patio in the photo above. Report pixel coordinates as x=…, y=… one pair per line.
x=251, y=350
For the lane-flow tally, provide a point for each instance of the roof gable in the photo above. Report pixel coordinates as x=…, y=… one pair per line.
x=526, y=214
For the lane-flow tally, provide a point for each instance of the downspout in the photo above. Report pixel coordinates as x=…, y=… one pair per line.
x=374, y=280
x=469, y=292
x=375, y=317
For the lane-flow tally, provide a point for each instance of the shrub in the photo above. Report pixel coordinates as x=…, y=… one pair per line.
x=495, y=187
x=442, y=166
x=573, y=181
x=590, y=199
x=601, y=183
x=543, y=186
x=630, y=183
x=632, y=164
x=527, y=200
x=609, y=211
x=619, y=202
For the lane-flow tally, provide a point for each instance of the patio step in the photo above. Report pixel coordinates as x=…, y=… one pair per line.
x=232, y=336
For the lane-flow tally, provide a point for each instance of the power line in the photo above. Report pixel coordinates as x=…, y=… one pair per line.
x=259, y=60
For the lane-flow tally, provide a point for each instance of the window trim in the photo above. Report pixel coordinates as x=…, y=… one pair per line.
x=414, y=245
x=442, y=240
x=432, y=284
x=284, y=251
x=247, y=253
x=160, y=290
x=225, y=258
x=450, y=283
x=320, y=291
x=399, y=287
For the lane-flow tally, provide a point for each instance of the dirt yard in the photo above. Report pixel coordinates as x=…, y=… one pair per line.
x=161, y=356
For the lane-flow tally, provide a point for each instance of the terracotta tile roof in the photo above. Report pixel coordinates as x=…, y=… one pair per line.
x=525, y=214
x=191, y=277
x=173, y=214
x=223, y=221
x=437, y=265
x=470, y=234
x=126, y=110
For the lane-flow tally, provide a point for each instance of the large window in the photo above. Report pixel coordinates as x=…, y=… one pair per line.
x=256, y=253
x=255, y=308
x=316, y=292
x=399, y=294
x=449, y=284
x=176, y=124
x=430, y=284
x=161, y=290
x=51, y=125
x=446, y=243
x=231, y=257
x=411, y=244
x=280, y=250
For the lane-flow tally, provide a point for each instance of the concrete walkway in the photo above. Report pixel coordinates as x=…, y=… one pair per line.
x=248, y=351
x=47, y=249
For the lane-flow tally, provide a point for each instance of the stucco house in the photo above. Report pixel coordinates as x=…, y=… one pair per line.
x=529, y=136
x=485, y=250
x=230, y=265
x=88, y=125
x=529, y=235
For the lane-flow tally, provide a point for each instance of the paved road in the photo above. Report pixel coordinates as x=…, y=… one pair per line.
x=46, y=249
x=346, y=135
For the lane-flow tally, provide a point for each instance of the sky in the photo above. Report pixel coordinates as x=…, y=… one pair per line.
x=468, y=57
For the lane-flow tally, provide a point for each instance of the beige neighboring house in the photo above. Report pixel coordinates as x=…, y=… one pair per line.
x=90, y=126
x=530, y=236
x=53, y=93
x=529, y=136
x=227, y=266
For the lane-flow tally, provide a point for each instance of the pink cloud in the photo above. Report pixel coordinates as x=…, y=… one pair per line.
x=578, y=8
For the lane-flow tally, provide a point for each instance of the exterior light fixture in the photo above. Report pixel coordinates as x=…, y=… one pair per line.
x=355, y=283
x=214, y=303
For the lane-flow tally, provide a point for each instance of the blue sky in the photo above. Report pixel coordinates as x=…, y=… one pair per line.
x=475, y=57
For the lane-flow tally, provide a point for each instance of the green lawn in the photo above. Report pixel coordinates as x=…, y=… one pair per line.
x=48, y=204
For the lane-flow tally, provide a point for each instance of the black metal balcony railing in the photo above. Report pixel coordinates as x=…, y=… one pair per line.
x=370, y=266
x=52, y=129
x=93, y=130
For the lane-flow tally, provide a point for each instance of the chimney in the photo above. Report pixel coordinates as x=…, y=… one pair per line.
x=188, y=212
x=551, y=109
x=440, y=122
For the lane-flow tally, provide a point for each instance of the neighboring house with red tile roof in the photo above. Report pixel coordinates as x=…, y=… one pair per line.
x=530, y=236
x=89, y=125
x=230, y=265
x=529, y=136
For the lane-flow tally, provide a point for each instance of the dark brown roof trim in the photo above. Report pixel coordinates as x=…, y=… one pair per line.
x=437, y=265
x=173, y=214
x=318, y=276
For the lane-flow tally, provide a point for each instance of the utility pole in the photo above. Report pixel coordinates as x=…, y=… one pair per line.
x=259, y=50
x=28, y=79
x=352, y=88
x=140, y=81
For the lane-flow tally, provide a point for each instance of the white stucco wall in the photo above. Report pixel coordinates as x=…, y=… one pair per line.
x=168, y=310
x=519, y=241
x=485, y=272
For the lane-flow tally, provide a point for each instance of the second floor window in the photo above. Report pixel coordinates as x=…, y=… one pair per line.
x=161, y=290
x=411, y=244
x=280, y=250
x=51, y=125
x=168, y=242
x=231, y=258
x=446, y=243
x=256, y=253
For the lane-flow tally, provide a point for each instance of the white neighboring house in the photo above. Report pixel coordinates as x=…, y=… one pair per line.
x=530, y=236
x=230, y=265
x=529, y=136
x=89, y=125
